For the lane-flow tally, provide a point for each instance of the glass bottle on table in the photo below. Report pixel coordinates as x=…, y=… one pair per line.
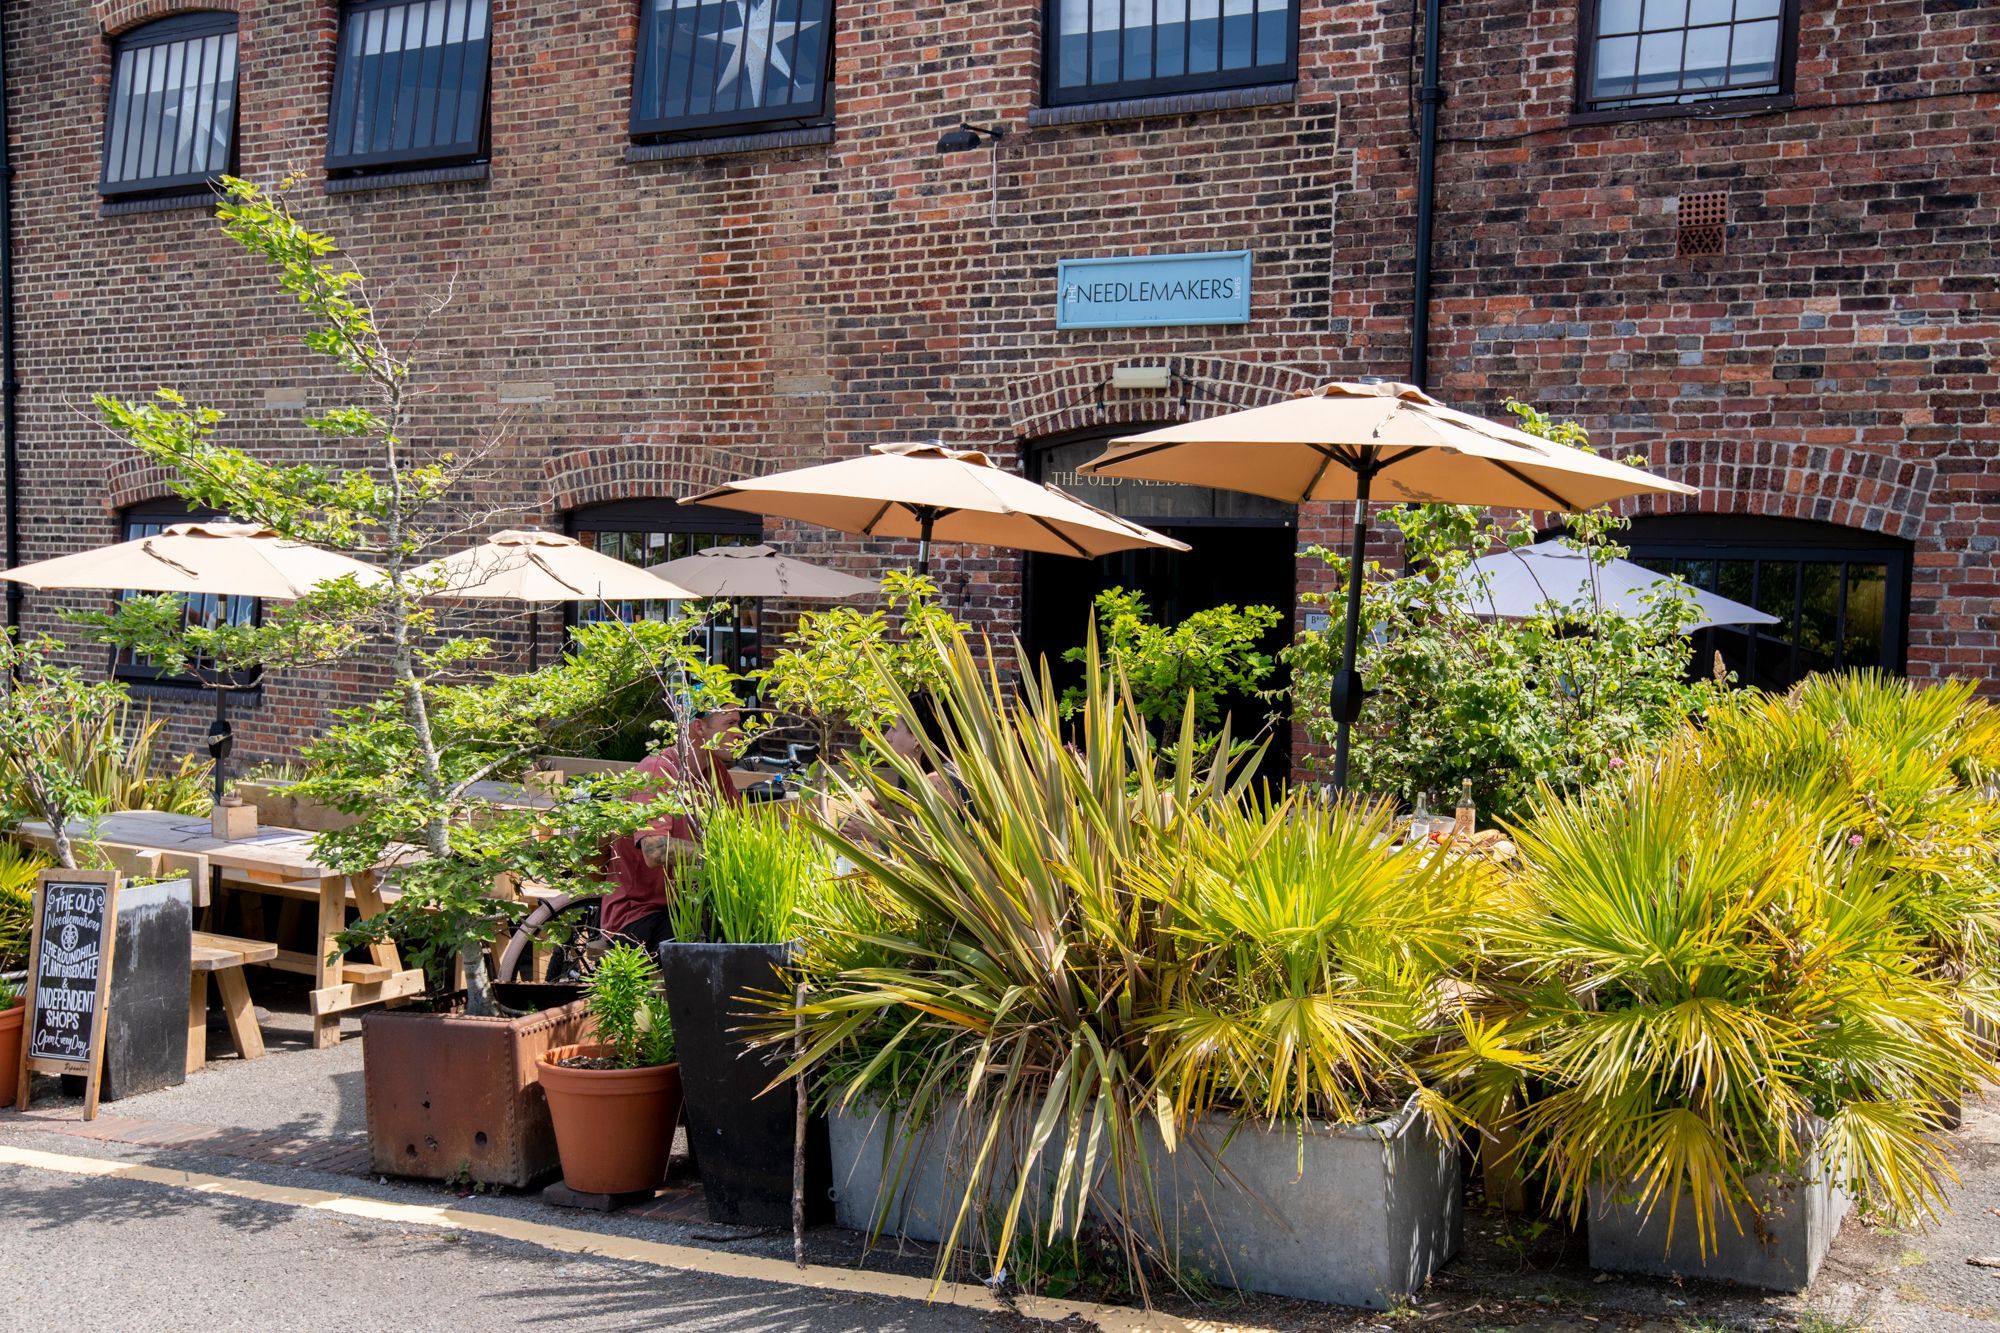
x=1467, y=821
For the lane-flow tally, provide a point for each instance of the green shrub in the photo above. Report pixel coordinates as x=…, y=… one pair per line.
x=19, y=867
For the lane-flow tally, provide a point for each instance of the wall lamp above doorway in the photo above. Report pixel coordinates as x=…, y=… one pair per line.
x=1156, y=377
x=968, y=137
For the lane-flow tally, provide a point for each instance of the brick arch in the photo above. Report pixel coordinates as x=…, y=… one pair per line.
x=1854, y=488
x=1078, y=396
x=633, y=471
x=135, y=479
x=116, y=16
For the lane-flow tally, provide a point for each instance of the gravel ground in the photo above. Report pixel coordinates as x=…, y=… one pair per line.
x=1511, y=1274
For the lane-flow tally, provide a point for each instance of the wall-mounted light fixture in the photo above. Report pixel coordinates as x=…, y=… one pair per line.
x=1141, y=377
x=968, y=137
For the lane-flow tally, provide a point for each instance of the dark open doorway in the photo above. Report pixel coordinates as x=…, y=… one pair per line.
x=1245, y=554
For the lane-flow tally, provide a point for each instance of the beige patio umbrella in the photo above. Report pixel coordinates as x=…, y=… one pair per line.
x=201, y=559
x=221, y=559
x=528, y=565
x=759, y=571
x=1373, y=441
x=932, y=493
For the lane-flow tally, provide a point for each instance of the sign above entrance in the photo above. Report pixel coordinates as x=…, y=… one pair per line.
x=1157, y=502
x=1148, y=291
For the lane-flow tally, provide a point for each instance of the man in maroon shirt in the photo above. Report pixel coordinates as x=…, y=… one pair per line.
x=640, y=862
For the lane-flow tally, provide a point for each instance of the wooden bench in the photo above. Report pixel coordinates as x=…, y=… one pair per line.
x=226, y=957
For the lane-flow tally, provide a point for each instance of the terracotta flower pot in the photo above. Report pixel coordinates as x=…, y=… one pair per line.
x=10, y=1052
x=614, y=1127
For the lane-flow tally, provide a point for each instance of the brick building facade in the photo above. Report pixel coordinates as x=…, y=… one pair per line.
x=1787, y=296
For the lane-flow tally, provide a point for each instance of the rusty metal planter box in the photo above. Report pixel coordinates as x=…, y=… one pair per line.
x=456, y=1097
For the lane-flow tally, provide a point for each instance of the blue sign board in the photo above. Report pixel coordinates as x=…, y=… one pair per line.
x=1140, y=291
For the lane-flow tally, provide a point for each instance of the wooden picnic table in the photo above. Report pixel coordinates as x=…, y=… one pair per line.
x=278, y=861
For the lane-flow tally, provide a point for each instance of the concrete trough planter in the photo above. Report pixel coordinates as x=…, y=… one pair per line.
x=1356, y=1215
x=1779, y=1248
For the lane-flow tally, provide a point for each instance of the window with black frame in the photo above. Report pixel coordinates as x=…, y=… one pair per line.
x=708, y=66
x=1840, y=596
x=1665, y=53
x=170, y=126
x=204, y=610
x=409, y=86
x=1104, y=50
x=652, y=532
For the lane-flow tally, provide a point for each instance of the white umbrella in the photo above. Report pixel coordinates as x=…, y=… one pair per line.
x=933, y=493
x=527, y=565
x=758, y=571
x=1515, y=584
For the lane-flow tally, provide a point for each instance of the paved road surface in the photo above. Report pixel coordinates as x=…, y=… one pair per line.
x=89, y=1254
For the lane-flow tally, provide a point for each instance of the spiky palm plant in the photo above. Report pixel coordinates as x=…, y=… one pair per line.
x=1706, y=987
x=1902, y=769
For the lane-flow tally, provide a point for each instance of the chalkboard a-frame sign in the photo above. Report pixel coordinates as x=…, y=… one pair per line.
x=75, y=920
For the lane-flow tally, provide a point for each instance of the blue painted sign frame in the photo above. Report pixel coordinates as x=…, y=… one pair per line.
x=1153, y=291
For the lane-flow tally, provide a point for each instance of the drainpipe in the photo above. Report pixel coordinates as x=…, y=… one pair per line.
x=1427, y=143
x=9, y=383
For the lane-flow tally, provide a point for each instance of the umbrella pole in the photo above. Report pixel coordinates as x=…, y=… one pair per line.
x=1347, y=685
x=929, y=519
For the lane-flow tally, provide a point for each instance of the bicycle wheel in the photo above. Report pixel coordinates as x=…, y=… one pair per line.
x=568, y=928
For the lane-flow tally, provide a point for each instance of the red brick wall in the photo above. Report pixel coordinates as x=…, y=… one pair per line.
x=758, y=310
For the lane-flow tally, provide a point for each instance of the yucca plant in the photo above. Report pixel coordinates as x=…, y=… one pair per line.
x=759, y=877
x=19, y=867
x=1694, y=986
x=1006, y=962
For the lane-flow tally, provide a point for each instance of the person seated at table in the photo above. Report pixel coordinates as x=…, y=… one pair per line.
x=906, y=739
x=643, y=862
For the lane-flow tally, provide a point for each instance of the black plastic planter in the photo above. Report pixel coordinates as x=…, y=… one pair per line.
x=741, y=1141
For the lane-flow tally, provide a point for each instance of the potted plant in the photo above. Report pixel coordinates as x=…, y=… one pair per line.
x=1092, y=978
x=616, y=1100
x=1718, y=1026
x=737, y=919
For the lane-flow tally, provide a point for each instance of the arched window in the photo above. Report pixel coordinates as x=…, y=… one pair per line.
x=1841, y=595
x=171, y=124
x=409, y=88
x=652, y=532
x=205, y=609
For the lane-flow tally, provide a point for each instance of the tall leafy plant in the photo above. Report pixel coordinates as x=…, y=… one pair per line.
x=628, y=1010
x=409, y=765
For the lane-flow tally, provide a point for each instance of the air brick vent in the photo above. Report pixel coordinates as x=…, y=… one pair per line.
x=1703, y=218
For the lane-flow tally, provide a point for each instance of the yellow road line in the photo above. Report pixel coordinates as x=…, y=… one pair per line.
x=566, y=1240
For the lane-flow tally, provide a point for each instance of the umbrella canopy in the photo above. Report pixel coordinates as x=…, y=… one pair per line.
x=1515, y=584
x=525, y=565
x=1373, y=441
x=933, y=493
x=223, y=559
x=758, y=571
x=1391, y=442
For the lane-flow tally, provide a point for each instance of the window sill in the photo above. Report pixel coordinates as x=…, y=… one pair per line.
x=400, y=179
x=174, y=203
x=764, y=141
x=1721, y=109
x=182, y=689
x=1173, y=104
